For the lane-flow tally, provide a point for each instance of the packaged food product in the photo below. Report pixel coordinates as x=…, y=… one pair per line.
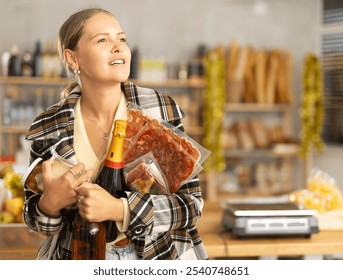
x=145, y=175
x=321, y=194
x=179, y=157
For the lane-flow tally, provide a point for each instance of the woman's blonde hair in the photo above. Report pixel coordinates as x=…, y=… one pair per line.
x=70, y=34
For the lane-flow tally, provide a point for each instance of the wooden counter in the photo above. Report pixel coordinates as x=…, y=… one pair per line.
x=18, y=253
x=221, y=244
x=17, y=242
x=226, y=246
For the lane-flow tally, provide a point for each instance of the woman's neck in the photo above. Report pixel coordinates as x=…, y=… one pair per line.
x=100, y=104
x=98, y=110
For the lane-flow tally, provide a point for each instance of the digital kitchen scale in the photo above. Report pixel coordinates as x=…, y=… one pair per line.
x=244, y=218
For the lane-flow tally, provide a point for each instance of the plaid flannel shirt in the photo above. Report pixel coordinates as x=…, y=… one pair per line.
x=161, y=226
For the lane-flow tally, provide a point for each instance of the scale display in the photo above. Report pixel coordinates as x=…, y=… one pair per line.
x=258, y=219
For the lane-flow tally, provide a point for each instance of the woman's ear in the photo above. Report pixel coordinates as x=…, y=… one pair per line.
x=70, y=59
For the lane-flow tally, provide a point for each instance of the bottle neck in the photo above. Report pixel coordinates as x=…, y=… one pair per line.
x=115, y=155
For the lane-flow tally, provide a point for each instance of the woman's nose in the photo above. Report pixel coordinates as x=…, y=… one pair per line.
x=116, y=48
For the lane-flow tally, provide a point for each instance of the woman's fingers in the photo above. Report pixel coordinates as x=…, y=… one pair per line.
x=77, y=170
x=79, y=175
x=86, y=188
x=46, y=168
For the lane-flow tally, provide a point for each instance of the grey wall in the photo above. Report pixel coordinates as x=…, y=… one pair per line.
x=173, y=28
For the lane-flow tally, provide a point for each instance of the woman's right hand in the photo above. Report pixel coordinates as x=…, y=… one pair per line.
x=59, y=192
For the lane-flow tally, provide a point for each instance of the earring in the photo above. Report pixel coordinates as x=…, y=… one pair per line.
x=77, y=72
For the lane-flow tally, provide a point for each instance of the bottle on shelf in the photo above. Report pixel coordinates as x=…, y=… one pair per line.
x=38, y=107
x=47, y=61
x=6, y=110
x=182, y=73
x=111, y=175
x=57, y=67
x=14, y=68
x=38, y=60
x=51, y=97
x=134, y=67
x=27, y=65
x=15, y=114
x=5, y=60
x=196, y=69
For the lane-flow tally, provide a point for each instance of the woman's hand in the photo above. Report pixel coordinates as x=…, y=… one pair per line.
x=96, y=204
x=59, y=192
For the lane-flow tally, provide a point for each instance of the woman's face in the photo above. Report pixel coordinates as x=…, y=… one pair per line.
x=102, y=53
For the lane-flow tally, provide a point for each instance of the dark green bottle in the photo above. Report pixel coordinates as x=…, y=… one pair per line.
x=111, y=175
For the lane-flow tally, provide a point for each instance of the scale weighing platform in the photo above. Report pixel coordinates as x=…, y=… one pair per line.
x=244, y=218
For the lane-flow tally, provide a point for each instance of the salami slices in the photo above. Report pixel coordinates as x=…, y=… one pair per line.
x=177, y=156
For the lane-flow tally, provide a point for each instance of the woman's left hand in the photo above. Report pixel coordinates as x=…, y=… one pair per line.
x=96, y=204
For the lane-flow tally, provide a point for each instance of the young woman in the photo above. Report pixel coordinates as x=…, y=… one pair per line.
x=93, y=46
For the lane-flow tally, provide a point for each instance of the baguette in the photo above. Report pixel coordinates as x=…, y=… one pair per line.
x=260, y=76
x=272, y=73
x=259, y=133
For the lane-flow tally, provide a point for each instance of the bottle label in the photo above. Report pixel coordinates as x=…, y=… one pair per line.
x=116, y=150
x=112, y=164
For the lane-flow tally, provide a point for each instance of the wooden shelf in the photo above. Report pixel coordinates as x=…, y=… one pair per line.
x=267, y=153
x=34, y=81
x=194, y=130
x=336, y=27
x=63, y=81
x=255, y=107
x=14, y=129
x=192, y=84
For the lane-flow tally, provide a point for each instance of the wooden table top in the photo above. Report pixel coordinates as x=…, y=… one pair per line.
x=220, y=244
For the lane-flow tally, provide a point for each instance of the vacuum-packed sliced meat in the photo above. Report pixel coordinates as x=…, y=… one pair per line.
x=175, y=155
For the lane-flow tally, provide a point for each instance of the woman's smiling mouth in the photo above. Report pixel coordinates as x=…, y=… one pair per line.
x=117, y=62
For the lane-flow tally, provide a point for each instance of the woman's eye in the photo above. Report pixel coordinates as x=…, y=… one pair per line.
x=103, y=40
x=123, y=40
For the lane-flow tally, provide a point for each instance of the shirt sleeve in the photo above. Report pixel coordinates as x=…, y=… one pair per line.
x=124, y=225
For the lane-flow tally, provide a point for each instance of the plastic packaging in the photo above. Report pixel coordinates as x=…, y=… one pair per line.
x=179, y=157
x=33, y=175
x=322, y=193
x=145, y=175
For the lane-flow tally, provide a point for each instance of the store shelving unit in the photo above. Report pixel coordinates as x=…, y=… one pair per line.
x=187, y=93
x=23, y=91
x=283, y=114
